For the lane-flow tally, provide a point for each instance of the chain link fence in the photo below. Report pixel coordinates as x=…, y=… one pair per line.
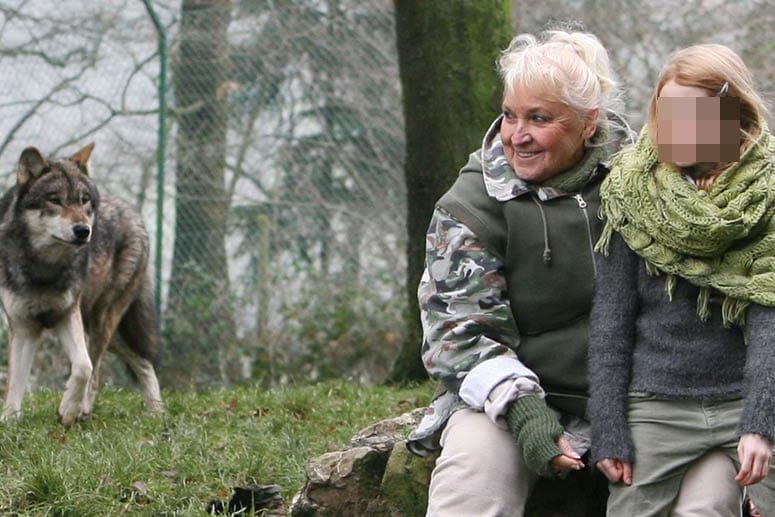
x=641, y=35
x=278, y=211
x=283, y=200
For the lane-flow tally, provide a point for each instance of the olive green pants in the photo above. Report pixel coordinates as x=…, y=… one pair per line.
x=669, y=435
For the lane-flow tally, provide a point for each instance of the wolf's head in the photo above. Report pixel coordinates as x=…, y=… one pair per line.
x=57, y=200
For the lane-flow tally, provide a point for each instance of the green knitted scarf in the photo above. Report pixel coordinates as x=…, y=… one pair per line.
x=723, y=239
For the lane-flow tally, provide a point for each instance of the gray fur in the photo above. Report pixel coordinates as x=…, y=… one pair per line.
x=76, y=265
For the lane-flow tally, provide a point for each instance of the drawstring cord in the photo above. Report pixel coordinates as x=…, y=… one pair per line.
x=547, y=249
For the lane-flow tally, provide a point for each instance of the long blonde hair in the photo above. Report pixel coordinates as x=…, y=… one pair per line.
x=710, y=66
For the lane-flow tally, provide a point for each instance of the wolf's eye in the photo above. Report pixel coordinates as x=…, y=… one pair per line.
x=85, y=198
x=54, y=200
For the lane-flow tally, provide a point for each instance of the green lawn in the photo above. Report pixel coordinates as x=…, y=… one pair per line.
x=124, y=462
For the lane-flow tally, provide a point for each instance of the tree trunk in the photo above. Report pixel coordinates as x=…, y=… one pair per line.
x=199, y=322
x=446, y=53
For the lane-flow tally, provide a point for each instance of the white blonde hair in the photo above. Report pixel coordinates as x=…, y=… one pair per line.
x=568, y=67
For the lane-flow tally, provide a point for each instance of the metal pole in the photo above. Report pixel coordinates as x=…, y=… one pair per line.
x=161, y=151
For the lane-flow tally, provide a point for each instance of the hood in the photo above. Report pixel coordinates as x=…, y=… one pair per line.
x=500, y=180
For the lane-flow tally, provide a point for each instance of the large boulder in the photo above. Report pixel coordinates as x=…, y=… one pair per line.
x=376, y=475
x=349, y=481
x=343, y=483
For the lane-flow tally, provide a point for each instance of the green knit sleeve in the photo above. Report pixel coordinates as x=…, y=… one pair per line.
x=536, y=430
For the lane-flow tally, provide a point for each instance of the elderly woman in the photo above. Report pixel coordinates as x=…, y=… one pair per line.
x=682, y=340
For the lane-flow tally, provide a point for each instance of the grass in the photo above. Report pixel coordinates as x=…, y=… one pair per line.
x=125, y=462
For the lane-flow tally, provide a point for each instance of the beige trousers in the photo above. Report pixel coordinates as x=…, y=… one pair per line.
x=480, y=473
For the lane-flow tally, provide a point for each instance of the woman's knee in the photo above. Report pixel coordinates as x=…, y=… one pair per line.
x=480, y=467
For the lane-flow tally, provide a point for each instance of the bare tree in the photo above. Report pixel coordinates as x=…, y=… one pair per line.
x=58, y=52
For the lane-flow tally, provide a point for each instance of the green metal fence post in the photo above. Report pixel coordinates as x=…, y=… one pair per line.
x=160, y=154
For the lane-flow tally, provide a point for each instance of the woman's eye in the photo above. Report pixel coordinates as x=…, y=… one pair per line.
x=540, y=118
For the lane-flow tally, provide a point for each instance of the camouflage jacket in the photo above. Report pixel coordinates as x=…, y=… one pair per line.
x=471, y=339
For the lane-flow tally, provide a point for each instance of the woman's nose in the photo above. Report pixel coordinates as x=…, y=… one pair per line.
x=520, y=135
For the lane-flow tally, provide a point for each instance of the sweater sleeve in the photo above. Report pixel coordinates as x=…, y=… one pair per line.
x=612, y=337
x=466, y=316
x=759, y=407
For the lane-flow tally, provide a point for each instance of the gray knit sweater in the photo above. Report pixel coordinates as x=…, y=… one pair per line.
x=640, y=341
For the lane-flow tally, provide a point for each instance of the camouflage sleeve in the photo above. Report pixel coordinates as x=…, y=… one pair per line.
x=466, y=316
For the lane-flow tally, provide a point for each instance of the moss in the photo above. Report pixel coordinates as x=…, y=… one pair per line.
x=405, y=483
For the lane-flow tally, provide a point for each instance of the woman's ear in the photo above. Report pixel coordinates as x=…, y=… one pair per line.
x=590, y=124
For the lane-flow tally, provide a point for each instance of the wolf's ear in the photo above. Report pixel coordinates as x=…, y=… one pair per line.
x=81, y=158
x=31, y=165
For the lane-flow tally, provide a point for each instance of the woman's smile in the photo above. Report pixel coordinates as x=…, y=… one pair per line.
x=541, y=138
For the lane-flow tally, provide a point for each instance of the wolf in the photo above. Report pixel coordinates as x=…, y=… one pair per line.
x=74, y=265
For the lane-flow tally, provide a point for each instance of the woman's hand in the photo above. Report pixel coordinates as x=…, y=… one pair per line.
x=755, y=453
x=568, y=460
x=616, y=470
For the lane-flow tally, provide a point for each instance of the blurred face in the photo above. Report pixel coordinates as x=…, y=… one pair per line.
x=542, y=138
x=694, y=126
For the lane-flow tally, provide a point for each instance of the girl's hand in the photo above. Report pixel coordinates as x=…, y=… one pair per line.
x=616, y=470
x=755, y=453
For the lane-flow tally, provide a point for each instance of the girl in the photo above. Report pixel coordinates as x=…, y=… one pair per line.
x=682, y=340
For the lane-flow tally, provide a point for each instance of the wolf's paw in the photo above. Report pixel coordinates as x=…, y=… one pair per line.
x=67, y=418
x=65, y=421
x=11, y=415
x=156, y=407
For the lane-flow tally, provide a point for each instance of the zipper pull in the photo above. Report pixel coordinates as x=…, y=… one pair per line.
x=580, y=201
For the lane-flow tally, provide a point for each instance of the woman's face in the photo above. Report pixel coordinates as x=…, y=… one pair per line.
x=542, y=138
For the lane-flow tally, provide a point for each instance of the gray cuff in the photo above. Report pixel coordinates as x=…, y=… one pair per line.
x=480, y=381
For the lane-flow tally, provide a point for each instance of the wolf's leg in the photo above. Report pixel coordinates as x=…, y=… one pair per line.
x=102, y=327
x=22, y=346
x=145, y=373
x=92, y=388
x=137, y=343
x=71, y=335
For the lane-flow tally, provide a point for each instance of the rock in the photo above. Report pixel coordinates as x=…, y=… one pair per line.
x=383, y=434
x=405, y=481
x=376, y=475
x=348, y=482
x=341, y=483
x=264, y=499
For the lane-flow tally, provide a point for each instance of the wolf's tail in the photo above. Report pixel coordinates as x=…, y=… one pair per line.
x=139, y=327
